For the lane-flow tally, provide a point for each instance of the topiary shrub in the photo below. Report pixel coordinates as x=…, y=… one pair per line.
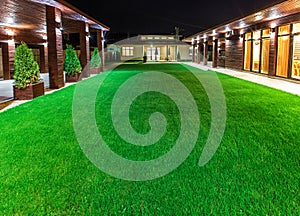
x=95, y=59
x=178, y=56
x=26, y=69
x=71, y=64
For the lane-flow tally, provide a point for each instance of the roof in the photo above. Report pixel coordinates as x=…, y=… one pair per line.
x=151, y=40
x=71, y=12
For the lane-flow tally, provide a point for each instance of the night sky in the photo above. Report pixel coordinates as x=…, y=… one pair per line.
x=161, y=16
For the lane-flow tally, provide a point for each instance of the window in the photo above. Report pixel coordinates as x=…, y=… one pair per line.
x=127, y=51
x=283, y=56
x=257, y=51
x=284, y=30
x=247, y=54
x=296, y=28
x=296, y=52
x=283, y=46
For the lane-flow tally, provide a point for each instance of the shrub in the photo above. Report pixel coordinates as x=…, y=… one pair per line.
x=96, y=59
x=71, y=64
x=26, y=69
x=178, y=56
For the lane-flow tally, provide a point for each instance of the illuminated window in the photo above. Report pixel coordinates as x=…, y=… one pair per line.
x=156, y=38
x=283, y=56
x=266, y=33
x=248, y=36
x=284, y=30
x=256, y=35
x=164, y=38
x=265, y=52
x=170, y=38
x=296, y=28
x=127, y=51
x=256, y=55
x=143, y=38
x=247, y=57
x=150, y=38
x=296, y=58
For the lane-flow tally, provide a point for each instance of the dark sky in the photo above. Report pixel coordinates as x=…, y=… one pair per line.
x=161, y=16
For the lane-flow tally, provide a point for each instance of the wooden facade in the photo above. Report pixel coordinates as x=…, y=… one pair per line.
x=267, y=41
x=41, y=24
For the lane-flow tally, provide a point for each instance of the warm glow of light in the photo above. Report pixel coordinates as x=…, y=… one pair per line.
x=12, y=41
x=227, y=29
x=241, y=32
x=44, y=36
x=273, y=25
x=10, y=20
x=242, y=24
x=45, y=44
x=10, y=32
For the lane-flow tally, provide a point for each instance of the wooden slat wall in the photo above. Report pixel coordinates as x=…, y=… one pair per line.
x=234, y=54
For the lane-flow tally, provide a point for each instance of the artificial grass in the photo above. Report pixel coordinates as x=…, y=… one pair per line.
x=255, y=171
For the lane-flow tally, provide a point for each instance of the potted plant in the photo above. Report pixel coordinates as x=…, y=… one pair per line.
x=27, y=81
x=95, y=63
x=72, y=66
x=145, y=57
x=178, y=56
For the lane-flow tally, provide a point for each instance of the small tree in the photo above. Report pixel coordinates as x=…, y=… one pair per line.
x=71, y=64
x=96, y=59
x=178, y=56
x=26, y=69
x=145, y=57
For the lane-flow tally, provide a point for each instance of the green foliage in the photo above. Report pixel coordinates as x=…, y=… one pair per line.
x=96, y=59
x=178, y=56
x=71, y=64
x=26, y=69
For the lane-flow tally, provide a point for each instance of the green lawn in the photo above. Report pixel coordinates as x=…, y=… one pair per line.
x=255, y=171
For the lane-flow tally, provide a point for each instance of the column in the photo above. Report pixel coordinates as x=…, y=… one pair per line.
x=199, y=52
x=55, y=48
x=100, y=45
x=205, y=54
x=84, y=44
x=193, y=52
x=8, y=52
x=215, y=53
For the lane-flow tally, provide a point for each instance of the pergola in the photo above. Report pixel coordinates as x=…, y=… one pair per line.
x=42, y=23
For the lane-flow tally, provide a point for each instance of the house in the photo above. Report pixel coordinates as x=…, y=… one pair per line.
x=43, y=24
x=155, y=47
x=265, y=42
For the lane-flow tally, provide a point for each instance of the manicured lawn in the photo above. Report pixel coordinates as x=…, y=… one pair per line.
x=255, y=171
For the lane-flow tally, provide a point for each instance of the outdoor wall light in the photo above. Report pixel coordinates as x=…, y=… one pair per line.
x=59, y=26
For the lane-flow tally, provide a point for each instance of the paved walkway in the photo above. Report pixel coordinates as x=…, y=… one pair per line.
x=292, y=86
x=6, y=91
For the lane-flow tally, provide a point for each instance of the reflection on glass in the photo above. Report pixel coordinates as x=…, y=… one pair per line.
x=247, y=55
x=265, y=56
x=256, y=54
x=283, y=56
x=296, y=58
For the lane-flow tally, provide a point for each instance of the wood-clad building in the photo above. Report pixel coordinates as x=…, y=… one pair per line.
x=266, y=42
x=42, y=24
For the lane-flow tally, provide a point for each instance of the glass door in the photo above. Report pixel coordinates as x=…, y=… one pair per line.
x=296, y=52
x=283, y=47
